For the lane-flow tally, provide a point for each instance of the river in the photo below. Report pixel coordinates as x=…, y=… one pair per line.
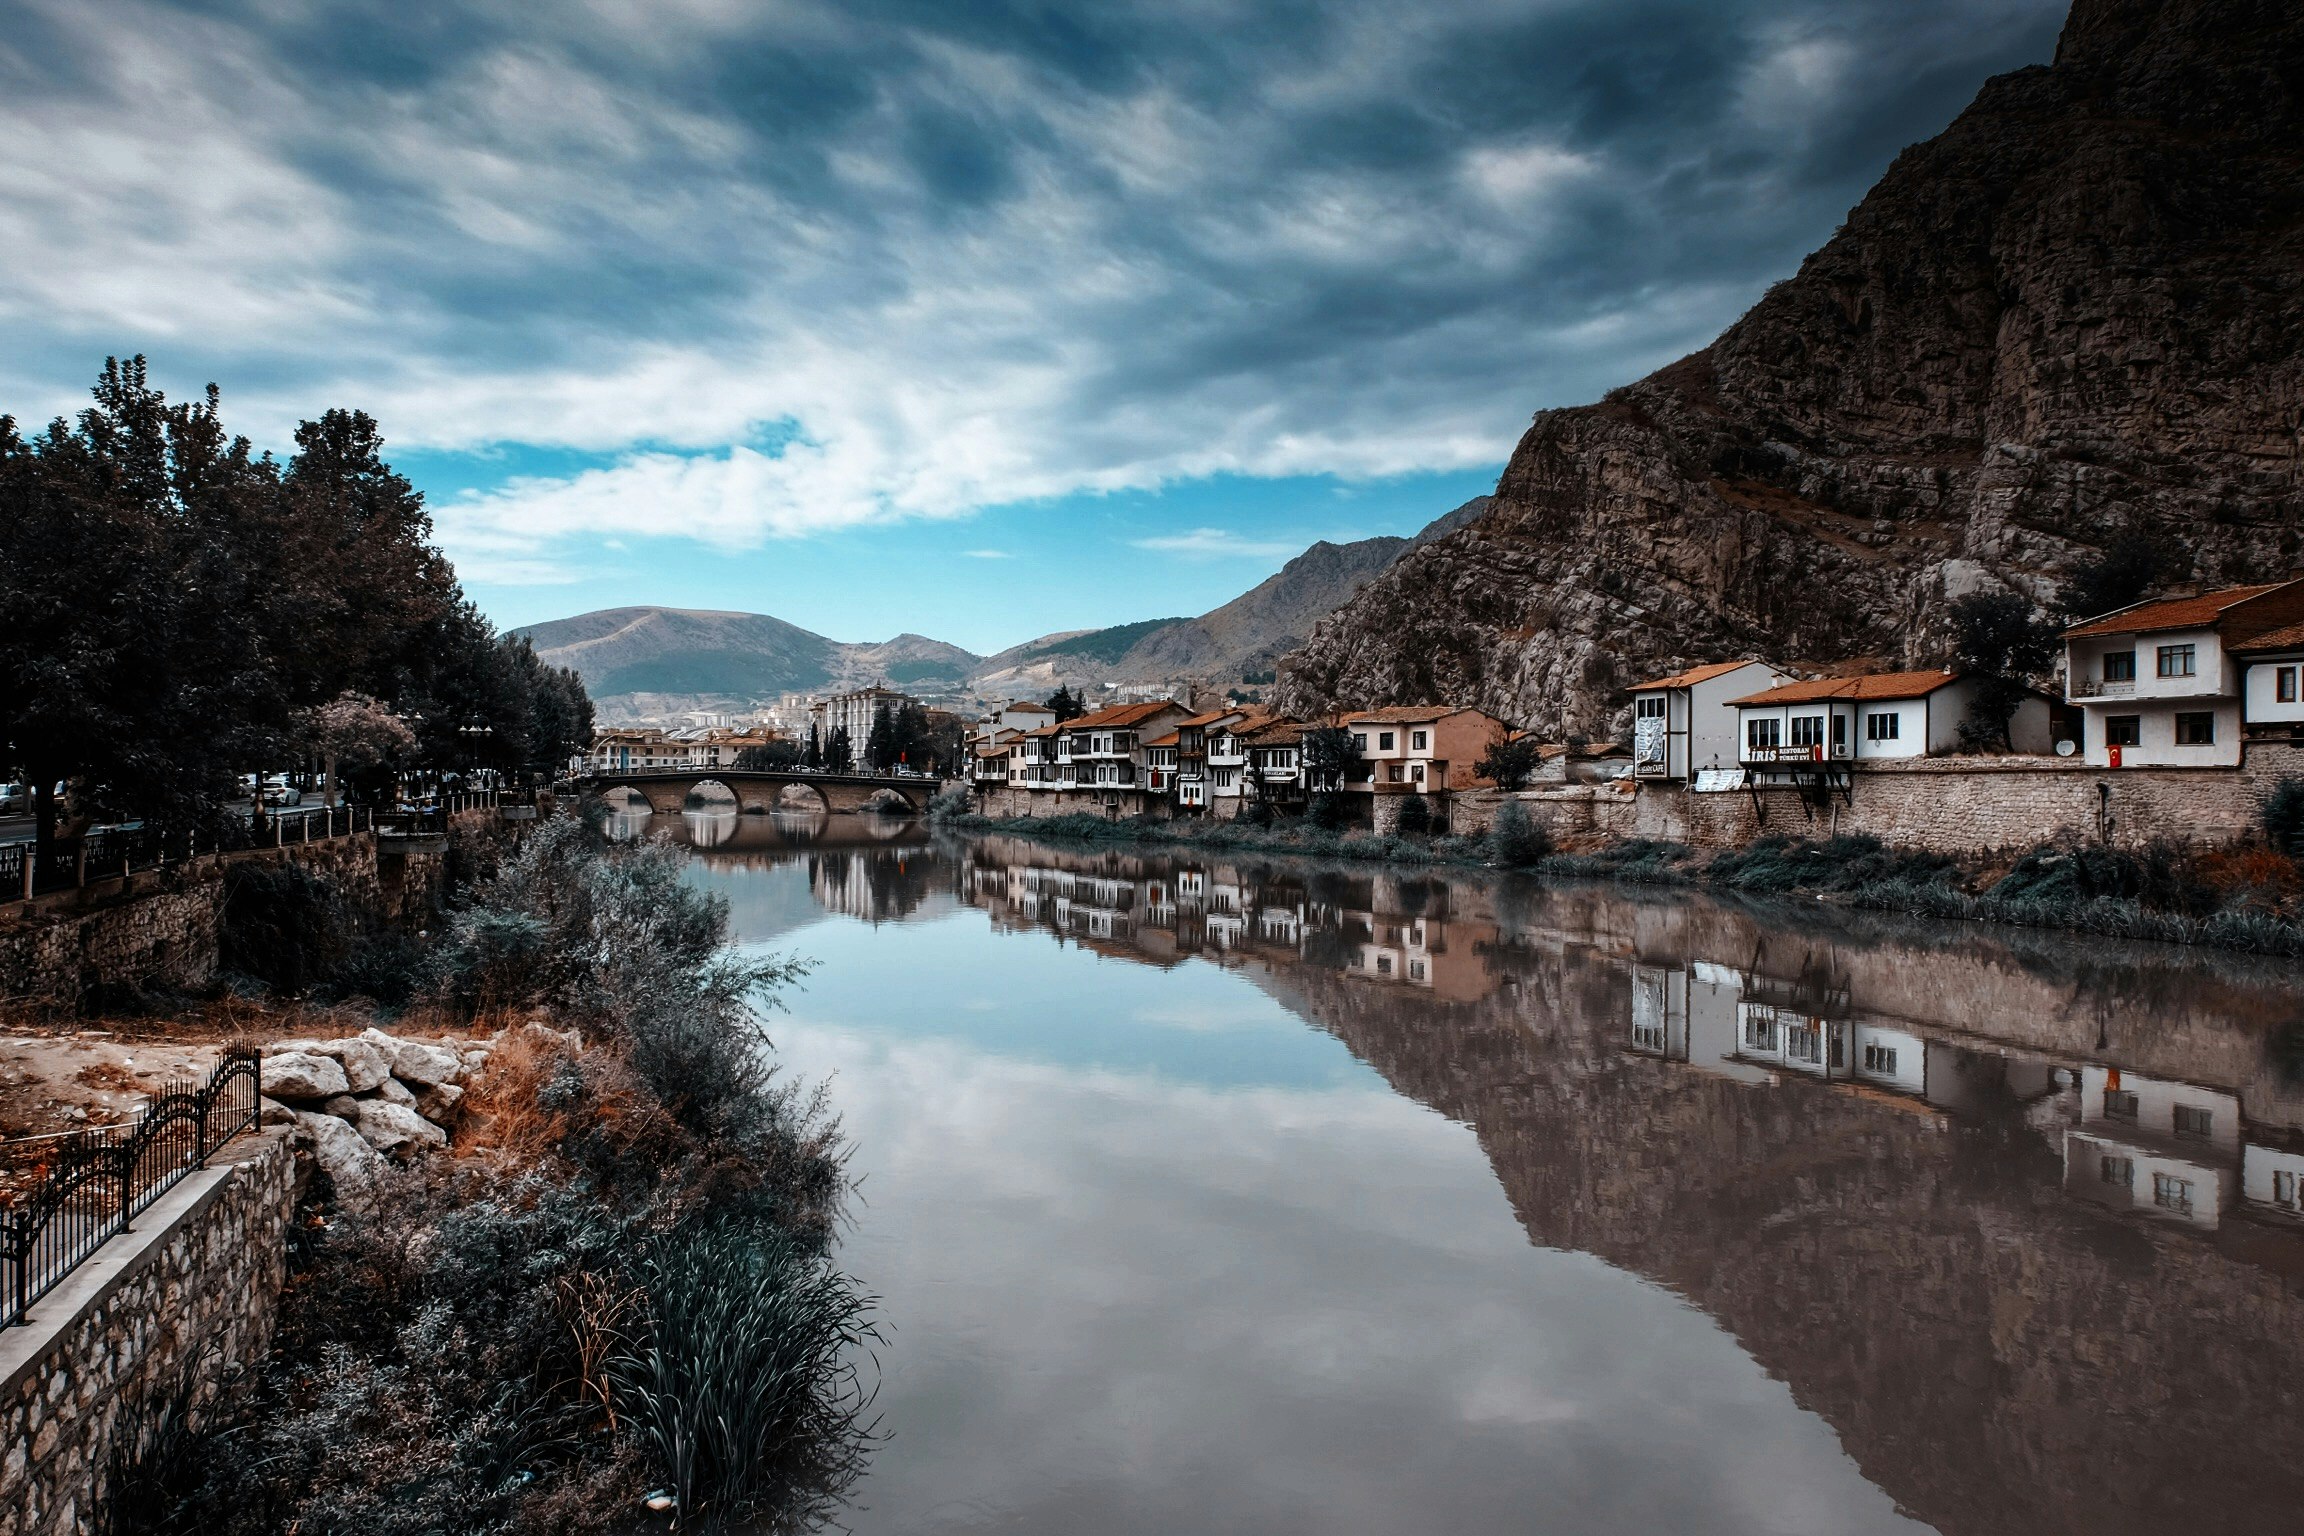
x=1243, y=1195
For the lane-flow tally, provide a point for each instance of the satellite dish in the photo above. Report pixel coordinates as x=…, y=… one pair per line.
x=2067, y=747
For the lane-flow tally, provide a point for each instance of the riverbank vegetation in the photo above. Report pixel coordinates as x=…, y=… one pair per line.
x=612, y=1302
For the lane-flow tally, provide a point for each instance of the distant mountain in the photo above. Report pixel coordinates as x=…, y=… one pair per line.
x=1225, y=645
x=660, y=663
x=641, y=663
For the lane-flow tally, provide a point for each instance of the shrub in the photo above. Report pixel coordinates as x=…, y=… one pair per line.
x=2283, y=817
x=1329, y=812
x=1415, y=817
x=1517, y=840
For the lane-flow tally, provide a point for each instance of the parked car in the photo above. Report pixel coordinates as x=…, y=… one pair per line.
x=278, y=791
x=15, y=799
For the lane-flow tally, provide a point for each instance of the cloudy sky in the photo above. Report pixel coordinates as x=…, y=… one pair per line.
x=980, y=320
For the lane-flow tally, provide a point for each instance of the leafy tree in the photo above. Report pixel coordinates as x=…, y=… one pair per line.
x=839, y=756
x=880, y=740
x=1509, y=762
x=813, y=755
x=352, y=729
x=181, y=608
x=1331, y=759
x=2123, y=572
x=2002, y=643
x=768, y=758
x=1415, y=816
x=1329, y=811
x=1066, y=704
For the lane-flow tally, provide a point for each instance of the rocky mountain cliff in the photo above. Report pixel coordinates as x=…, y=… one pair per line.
x=2077, y=312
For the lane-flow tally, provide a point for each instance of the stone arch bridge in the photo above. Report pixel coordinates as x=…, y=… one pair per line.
x=759, y=791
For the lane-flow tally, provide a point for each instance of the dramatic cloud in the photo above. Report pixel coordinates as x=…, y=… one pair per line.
x=772, y=269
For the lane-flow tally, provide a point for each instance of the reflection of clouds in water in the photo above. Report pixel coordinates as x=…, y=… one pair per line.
x=1124, y=1303
x=1218, y=1018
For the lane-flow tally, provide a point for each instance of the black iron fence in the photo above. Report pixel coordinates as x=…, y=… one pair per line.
x=109, y=852
x=95, y=1183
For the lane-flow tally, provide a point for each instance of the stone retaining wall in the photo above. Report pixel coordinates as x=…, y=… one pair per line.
x=191, y=1288
x=1976, y=805
x=158, y=928
x=1570, y=813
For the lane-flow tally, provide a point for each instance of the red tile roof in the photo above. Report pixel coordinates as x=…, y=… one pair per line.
x=1876, y=685
x=2198, y=612
x=1275, y=733
x=1168, y=740
x=1692, y=676
x=1119, y=715
x=1405, y=714
x=2290, y=638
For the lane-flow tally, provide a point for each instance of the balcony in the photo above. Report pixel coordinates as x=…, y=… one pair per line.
x=2097, y=688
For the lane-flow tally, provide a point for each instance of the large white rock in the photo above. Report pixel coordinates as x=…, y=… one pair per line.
x=397, y=1128
x=394, y=1091
x=438, y=1102
x=300, y=1078
x=343, y=1107
x=365, y=1067
x=270, y=1111
x=417, y=1063
x=350, y=1163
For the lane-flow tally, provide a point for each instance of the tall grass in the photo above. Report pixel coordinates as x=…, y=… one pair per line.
x=741, y=1377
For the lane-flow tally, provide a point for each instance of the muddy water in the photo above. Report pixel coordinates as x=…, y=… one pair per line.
x=1249, y=1196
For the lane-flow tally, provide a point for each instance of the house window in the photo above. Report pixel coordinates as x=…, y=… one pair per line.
x=2196, y=729
x=1649, y=709
x=1807, y=730
x=2284, y=1190
x=2194, y=1121
x=1359, y=741
x=1419, y=740
x=2117, y=1170
x=1415, y=970
x=2177, y=660
x=2171, y=1193
x=1882, y=725
x=2119, y=666
x=1384, y=741
x=2123, y=730
x=1839, y=734
x=1383, y=965
x=1763, y=733
x=1880, y=1058
x=1760, y=1033
x=2284, y=685
x=2119, y=1105
x=1803, y=1043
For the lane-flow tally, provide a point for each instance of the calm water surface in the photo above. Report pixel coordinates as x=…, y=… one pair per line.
x=1239, y=1195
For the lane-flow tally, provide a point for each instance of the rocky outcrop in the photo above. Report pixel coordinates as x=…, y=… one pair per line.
x=360, y=1100
x=2077, y=312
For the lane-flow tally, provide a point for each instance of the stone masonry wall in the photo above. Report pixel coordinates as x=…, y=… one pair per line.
x=158, y=928
x=1570, y=813
x=1976, y=805
x=199, y=1297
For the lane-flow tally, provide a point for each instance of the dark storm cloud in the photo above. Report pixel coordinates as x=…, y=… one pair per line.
x=1041, y=247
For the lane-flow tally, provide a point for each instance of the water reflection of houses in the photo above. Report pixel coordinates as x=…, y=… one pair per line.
x=1389, y=930
x=2130, y=1143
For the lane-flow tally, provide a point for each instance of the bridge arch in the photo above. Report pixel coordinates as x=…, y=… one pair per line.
x=709, y=795
x=800, y=795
